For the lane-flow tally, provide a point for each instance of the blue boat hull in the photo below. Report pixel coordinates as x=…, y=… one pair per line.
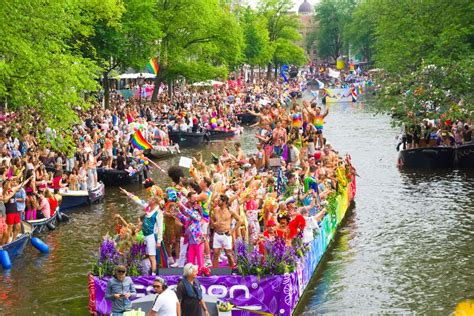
x=71, y=202
x=15, y=248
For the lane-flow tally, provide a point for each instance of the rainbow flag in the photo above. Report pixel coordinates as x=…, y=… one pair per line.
x=152, y=66
x=360, y=89
x=139, y=142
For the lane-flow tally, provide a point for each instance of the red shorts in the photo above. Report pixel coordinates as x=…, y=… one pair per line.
x=13, y=218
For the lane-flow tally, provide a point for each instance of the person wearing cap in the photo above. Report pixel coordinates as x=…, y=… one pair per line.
x=119, y=290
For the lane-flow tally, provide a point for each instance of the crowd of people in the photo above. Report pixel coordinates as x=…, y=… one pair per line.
x=29, y=167
x=277, y=192
x=431, y=133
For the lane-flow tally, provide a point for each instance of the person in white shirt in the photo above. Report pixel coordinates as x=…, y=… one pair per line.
x=311, y=224
x=166, y=302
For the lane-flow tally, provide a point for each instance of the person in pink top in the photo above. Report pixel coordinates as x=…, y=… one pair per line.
x=44, y=206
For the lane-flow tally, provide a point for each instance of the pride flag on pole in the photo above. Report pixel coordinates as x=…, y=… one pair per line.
x=139, y=142
x=152, y=66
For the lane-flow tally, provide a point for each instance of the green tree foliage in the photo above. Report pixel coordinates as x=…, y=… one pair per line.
x=431, y=92
x=333, y=16
x=360, y=31
x=129, y=43
x=283, y=32
x=426, y=51
x=436, y=31
x=258, y=51
x=43, y=74
x=201, y=39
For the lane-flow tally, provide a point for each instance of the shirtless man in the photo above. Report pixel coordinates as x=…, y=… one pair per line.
x=317, y=118
x=280, y=138
x=240, y=153
x=265, y=120
x=221, y=219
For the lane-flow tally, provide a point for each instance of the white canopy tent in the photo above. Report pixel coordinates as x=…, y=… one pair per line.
x=144, y=75
x=208, y=83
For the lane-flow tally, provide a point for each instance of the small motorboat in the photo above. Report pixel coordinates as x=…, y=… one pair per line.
x=73, y=199
x=187, y=139
x=465, y=156
x=247, y=118
x=16, y=247
x=114, y=177
x=215, y=134
x=427, y=158
x=41, y=224
x=160, y=152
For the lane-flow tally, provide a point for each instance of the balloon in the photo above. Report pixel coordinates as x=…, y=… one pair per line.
x=213, y=120
x=213, y=125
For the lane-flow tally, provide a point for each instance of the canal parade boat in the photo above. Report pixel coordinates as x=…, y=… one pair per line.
x=271, y=294
x=215, y=134
x=465, y=155
x=41, y=224
x=427, y=157
x=16, y=247
x=73, y=199
x=187, y=139
x=160, y=152
x=247, y=118
x=114, y=177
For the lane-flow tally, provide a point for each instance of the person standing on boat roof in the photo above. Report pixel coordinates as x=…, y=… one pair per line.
x=119, y=290
x=152, y=226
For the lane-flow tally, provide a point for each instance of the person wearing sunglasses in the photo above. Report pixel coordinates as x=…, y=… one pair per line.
x=166, y=302
x=119, y=290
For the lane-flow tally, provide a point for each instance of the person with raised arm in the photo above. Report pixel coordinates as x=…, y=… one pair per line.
x=152, y=226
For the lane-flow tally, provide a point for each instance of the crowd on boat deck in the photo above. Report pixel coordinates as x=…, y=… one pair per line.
x=278, y=192
x=430, y=133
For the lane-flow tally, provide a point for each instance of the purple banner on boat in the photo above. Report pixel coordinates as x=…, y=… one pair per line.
x=276, y=294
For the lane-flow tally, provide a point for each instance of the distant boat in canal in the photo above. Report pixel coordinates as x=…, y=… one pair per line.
x=188, y=139
x=74, y=199
x=247, y=118
x=215, y=134
x=441, y=157
x=427, y=158
x=161, y=152
x=465, y=156
x=114, y=177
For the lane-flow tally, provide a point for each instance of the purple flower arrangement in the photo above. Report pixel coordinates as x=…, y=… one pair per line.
x=278, y=258
x=109, y=257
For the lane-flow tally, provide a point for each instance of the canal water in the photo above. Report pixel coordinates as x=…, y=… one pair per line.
x=406, y=246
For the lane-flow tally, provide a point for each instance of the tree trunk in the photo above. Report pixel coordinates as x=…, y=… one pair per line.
x=276, y=71
x=106, y=89
x=269, y=71
x=170, y=89
x=158, y=80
